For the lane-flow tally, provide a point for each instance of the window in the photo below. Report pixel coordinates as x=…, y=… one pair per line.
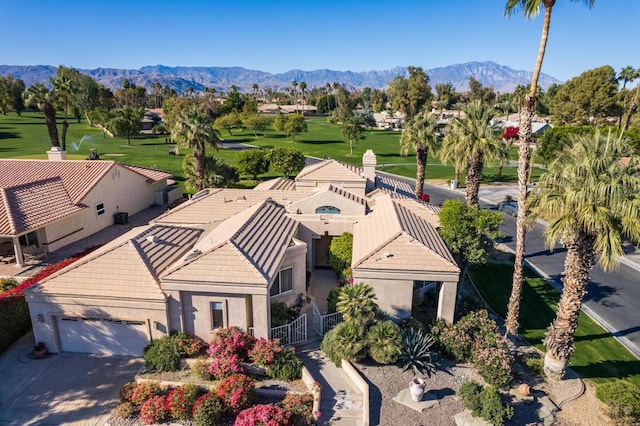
x=283, y=282
x=217, y=315
x=327, y=210
x=100, y=209
x=420, y=285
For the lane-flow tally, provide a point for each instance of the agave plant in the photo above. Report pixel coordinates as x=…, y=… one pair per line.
x=416, y=352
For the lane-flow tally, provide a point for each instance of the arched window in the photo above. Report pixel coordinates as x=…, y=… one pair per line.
x=327, y=210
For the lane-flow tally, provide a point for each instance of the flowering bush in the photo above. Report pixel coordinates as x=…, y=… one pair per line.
x=510, y=132
x=299, y=407
x=209, y=409
x=125, y=410
x=144, y=391
x=201, y=369
x=229, y=341
x=181, y=400
x=225, y=366
x=188, y=345
x=238, y=391
x=264, y=351
x=126, y=391
x=153, y=410
x=262, y=415
x=476, y=339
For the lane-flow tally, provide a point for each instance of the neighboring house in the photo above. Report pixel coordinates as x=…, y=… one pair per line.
x=537, y=127
x=389, y=120
x=221, y=259
x=46, y=205
x=286, y=109
x=152, y=116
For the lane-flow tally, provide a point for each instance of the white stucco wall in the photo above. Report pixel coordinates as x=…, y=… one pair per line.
x=294, y=257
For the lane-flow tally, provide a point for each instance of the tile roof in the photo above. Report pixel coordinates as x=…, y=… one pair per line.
x=22, y=207
x=346, y=194
x=280, y=183
x=245, y=249
x=25, y=184
x=404, y=240
x=391, y=184
x=128, y=268
x=220, y=204
x=331, y=171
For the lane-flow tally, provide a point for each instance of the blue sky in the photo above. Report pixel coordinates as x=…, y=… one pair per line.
x=280, y=35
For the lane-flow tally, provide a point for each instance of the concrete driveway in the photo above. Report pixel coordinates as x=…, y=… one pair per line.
x=61, y=389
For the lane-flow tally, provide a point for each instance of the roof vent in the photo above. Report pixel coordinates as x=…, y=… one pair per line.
x=200, y=194
x=241, y=198
x=152, y=239
x=193, y=254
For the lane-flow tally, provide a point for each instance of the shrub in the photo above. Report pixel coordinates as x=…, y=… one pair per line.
x=229, y=341
x=384, y=341
x=475, y=338
x=163, y=355
x=281, y=314
x=126, y=391
x=536, y=365
x=201, y=368
x=125, y=410
x=181, y=400
x=332, y=299
x=622, y=399
x=286, y=366
x=299, y=407
x=264, y=351
x=341, y=252
x=357, y=303
x=415, y=353
x=153, y=410
x=237, y=391
x=224, y=366
x=485, y=403
x=262, y=415
x=188, y=345
x=346, y=341
x=144, y=391
x=209, y=409
x=252, y=162
x=7, y=283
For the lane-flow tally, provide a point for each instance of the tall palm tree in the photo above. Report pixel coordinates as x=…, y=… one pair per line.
x=530, y=9
x=420, y=135
x=194, y=129
x=45, y=100
x=303, y=87
x=63, y=88
x=590, y=196
x=294, y=93
x=475, y=139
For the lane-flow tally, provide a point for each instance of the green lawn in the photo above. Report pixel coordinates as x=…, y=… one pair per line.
x=598, y=356
x=26, y=137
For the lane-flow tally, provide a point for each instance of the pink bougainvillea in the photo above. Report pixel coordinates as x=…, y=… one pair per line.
x=238, y=391
x=264, y=351
x=229, y=341
x=262, y=415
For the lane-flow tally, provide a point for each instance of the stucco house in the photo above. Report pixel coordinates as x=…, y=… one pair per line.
x=48, y=204
x=224, y=256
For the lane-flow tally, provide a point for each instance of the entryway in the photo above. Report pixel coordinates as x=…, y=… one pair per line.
x=321, y=251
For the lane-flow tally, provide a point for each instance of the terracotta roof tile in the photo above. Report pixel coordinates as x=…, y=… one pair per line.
x=331, y=171
x=23, y=207
x=280, y=183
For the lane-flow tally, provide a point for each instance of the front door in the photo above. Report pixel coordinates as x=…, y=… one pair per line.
x=321, y=251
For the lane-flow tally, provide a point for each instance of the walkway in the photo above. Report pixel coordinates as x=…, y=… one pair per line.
x=341, y=403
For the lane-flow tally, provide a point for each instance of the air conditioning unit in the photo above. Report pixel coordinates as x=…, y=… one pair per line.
x=120, y=218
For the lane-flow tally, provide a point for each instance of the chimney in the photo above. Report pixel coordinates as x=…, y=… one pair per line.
x=369, y=169
x=56, y=154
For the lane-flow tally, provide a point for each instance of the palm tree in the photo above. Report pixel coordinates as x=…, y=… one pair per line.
x=303, y=87
x=63, y=88
x=419, y=135
x=590, y=196
x=45, y=100
x=531, y=9
x=194, y=129
x=472, y=137
x=294, y=93
x=357, y=303
x=628, y=74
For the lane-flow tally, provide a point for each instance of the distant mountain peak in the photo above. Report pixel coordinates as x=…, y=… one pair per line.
x=489, y=73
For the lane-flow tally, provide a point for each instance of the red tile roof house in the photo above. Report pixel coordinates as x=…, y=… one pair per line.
x=221, y=258
x=46, y=205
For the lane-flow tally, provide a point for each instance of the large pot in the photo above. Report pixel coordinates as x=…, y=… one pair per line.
x=416, y=388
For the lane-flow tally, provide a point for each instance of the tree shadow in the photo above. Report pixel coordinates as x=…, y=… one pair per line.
x=608, y=369
x=323, y=142
x=8, y=135
x=547, y=252
x=598, y=292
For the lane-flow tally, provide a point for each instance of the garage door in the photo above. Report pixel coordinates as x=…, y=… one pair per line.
x=103, y=336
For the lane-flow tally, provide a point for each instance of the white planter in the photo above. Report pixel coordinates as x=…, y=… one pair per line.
x=416, y=388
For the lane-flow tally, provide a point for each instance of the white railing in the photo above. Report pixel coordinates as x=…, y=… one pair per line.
x=324, y=323
x=294, y=332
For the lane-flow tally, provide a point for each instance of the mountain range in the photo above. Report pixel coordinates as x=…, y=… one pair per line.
x=502, y=78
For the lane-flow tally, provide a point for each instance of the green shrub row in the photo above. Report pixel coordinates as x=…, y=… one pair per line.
x=485, y=403
x=14, y=320
x=622, y=399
